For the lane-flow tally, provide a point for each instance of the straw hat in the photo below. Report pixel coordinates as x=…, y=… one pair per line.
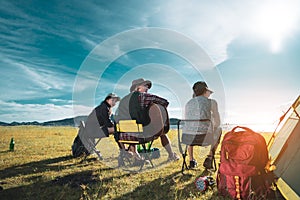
x=138, y=82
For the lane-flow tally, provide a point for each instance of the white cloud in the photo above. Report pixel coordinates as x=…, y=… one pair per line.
x=29, y=81
x=88, y=42
x=12, y=111
x=211, y=24
x=214, y=25
x=273, y=22
x=24, y=112
x=61, y=101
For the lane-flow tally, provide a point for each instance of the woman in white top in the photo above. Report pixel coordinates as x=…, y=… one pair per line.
x=204, y=108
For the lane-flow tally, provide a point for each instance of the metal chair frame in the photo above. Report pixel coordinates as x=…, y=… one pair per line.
x=184, y=152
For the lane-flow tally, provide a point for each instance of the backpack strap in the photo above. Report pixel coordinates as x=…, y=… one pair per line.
x=237, y=187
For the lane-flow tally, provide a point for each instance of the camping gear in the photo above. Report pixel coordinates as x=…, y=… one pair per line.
x=78, y=149
x=243, y=158
x=203, y=182
x=196, y=139
x=154, y=152
x=284, y=148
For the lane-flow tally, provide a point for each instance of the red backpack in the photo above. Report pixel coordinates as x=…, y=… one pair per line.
x=241, y=174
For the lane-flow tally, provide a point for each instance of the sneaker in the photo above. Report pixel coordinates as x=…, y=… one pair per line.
x=173, y=157
x=193, y=164
x=208, y=162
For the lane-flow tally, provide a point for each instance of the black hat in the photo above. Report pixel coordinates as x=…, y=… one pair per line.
x=200, y=87
x=112, y=95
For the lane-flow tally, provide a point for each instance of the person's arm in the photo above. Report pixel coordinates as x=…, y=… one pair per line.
x=146, y=99
x=103, y=116
x=107, y=121
x=215, y=113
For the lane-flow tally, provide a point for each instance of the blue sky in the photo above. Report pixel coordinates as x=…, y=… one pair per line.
x=60, y=59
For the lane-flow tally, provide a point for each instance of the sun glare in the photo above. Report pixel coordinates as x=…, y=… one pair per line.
x=274, y=22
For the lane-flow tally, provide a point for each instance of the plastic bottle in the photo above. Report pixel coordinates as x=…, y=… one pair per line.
x=149, y=146
x=139, y=148
x=12, y=144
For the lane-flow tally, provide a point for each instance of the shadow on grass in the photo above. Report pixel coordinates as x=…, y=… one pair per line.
x=34, y=167
x=5, y=151
x=67, y=187
x=71, y=186
x=52, y=164
x=78, y=185
x=160, y=188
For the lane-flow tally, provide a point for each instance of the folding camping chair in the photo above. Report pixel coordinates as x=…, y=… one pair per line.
x=194, y=138
x=131, y=133
x=90, y=133
x=88, y=141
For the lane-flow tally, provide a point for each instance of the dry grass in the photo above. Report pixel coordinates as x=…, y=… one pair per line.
x=41, y=167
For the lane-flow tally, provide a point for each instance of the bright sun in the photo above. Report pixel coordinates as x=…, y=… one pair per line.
x=274, y=22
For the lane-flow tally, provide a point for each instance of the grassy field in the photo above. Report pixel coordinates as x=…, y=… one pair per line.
x=41, y=167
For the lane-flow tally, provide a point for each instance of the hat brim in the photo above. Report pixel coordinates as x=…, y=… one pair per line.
x=146, y=82
x=209, y=90
x=112, y=96
x=117, y=98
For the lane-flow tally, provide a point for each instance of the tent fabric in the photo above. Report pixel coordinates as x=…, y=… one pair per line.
x=285, y=190
x=289, y=123
x=285, y=151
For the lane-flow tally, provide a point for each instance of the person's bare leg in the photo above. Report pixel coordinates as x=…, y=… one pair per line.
x=191, y=152
x=133, y=150
x=165, y=142
x=193, y=162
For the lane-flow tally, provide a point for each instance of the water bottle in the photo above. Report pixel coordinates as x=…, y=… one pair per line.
x=139, y=148
x=12, y=144
x=148, y=147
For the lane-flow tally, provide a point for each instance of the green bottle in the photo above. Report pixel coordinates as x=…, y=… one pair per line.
x=139, y=148
x=12, y=144
x=148, y=147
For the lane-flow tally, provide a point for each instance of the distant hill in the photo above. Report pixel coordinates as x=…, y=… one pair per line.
x=63, y=122
x=173, y=121
x=4, y=124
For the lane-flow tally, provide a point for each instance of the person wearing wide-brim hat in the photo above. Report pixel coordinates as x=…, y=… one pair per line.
x=140, y=82
x=136, y=104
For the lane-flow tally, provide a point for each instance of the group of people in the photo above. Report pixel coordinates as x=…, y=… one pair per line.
x=136, y=104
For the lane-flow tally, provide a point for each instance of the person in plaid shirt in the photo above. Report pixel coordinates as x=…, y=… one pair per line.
x=146, y=99
x=135, y=106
